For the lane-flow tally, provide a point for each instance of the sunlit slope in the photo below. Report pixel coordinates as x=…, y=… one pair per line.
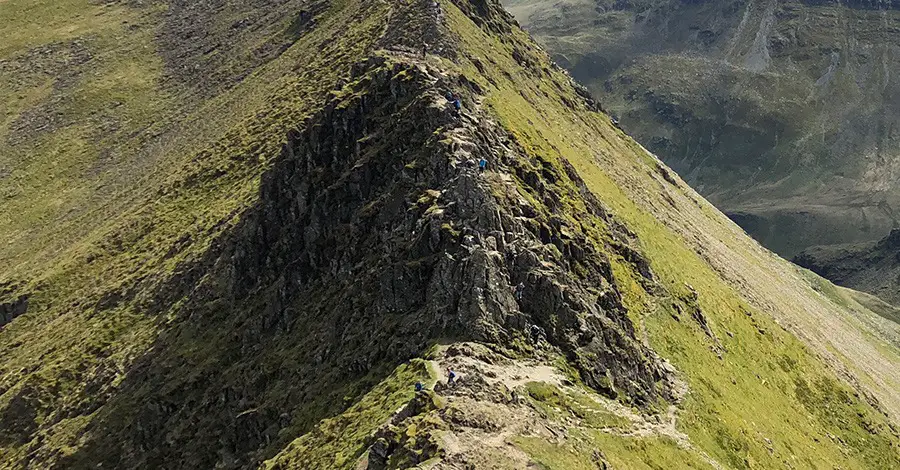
x=690, y=242
x=104, y=102
x=270, y=296
x=781, y=344
x=105, y=211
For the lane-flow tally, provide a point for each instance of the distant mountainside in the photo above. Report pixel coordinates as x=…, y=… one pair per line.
x=353, y=234
x=871, y=267
x=782, y=113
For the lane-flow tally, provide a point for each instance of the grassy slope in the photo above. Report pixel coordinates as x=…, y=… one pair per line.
x=54, y=167
x=770, y=401
x=83, y=271
x=765, y=379
x=212, y=174
x=338, y=442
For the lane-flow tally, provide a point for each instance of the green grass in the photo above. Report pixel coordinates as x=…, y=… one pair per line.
x=338, y=443
x=749, y=395
x=29, y=23
x=560, y=403
x=551, y=456
x=57, y=176
x=586, y=449
x=652, y=453
x=76, y=229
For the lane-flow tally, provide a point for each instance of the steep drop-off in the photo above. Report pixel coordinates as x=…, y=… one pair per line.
x=870, y=267
x=784, y=114
x=272, y=298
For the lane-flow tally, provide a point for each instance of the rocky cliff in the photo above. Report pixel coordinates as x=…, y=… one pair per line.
x=870, y=267
x=272, y=299
x=781, y=113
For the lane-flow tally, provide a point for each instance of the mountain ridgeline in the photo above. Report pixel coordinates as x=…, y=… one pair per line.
x=311, y=230
x=781, y=113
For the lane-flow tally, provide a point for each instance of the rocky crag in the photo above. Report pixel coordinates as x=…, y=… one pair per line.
x=870, y=267
x=274, y=300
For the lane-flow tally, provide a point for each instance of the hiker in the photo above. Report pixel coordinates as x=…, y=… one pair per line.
x=482, y=164
x=520, y=290
x=419, y=386
x=451, y=378
x=537, y=333
x=457, y=104
x=424, y=50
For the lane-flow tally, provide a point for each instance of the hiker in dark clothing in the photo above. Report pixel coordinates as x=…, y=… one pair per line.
x=419, y=386
x=537, y=333
x=424, y=50
x=520, y=290
x=451, y=377
x=457, y=105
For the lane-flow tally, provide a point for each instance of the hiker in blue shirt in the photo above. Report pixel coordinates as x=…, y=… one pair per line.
x=482, y=164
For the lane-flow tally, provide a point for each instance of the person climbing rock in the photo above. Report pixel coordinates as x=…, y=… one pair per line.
x=520, y=290
x=482, y=164
x=451, y=378
x=424, y=50
x=537, y=333
x=419, y=386
x=457, y=105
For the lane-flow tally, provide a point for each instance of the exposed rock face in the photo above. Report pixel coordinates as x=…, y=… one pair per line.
x=376, y=235
x=12, y=309
x=781, y=113
x=365, y=252
x=869, y=267
x=861, y=4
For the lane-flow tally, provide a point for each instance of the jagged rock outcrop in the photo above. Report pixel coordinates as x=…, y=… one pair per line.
x=374, y=236
x=272, y=299
x=12, y=304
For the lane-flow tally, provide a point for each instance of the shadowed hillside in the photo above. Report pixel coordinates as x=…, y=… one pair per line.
x=783, y=114
x=871, y=267
x=323, y=230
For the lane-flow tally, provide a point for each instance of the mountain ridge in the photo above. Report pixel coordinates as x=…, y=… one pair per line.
x=287, y=329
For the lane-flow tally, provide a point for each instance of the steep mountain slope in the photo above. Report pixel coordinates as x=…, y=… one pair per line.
x=871, y=267
x=271, y=298
x=783, y=113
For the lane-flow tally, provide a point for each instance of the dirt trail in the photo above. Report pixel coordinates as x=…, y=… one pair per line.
x=479, y=370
